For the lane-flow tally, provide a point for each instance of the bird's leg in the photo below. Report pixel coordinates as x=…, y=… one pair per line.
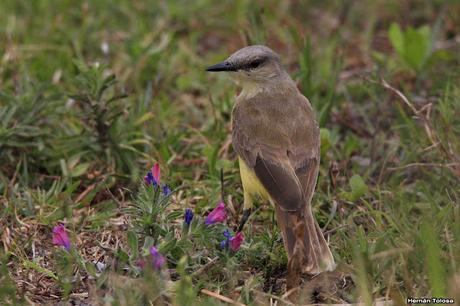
x=246, y=214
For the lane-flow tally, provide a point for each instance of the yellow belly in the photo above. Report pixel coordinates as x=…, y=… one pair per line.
x=251, y=185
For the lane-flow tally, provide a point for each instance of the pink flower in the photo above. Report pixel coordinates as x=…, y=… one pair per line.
x=60, y=237
x=236, y=241
x=218, y=214
x=156, y=173
x=153, y=176
x=158, y=260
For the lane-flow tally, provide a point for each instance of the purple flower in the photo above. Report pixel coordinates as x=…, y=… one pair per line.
x=227, y=234
x=236, y=241
x=188, y=216
x=158, y=260
x=149, y=180
x=225, y=243
x=60, y=237
x=153, y=176
x=218, y=214
x=166, y=190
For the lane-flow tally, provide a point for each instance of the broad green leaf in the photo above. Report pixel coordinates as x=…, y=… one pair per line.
x=358, y=187
x=416, y=48
x=413, y=46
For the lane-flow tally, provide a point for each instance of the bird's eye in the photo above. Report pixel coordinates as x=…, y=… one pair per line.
x=254, y=64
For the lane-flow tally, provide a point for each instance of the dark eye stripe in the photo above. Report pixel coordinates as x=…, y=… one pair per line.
x=255, y=63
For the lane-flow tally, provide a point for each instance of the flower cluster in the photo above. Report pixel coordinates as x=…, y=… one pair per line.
x=232, y=242
x=217, y=215
x=152, y=178
x=157, y=260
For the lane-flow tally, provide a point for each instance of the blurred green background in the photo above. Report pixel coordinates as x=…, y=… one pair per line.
x=92, y=93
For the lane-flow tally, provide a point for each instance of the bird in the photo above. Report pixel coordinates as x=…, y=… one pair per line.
x=277, y=140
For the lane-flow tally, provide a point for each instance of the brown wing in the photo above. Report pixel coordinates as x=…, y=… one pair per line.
x=277, y=136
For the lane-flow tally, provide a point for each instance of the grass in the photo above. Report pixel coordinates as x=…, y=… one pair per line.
x=92, y=94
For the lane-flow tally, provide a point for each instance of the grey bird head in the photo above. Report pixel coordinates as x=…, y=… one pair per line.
x=253, y=63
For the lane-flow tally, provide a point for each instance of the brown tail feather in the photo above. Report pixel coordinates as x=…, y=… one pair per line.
x=307, y=249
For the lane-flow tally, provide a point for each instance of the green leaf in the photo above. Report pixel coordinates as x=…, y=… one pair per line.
x=174, y=215
x=90, y=269
x=434, y=265
x=167, y=244
x=122, y=256
x=133, y=243
x=325, y=136
x=417, y=44
x=185, y=292
x=33, y=265
x=143, y=118
x=79, y=170
x=351, y=145
x=149, y=241
x=413, y=46
x=358, y=188
x=396, y=38
x=211, y=155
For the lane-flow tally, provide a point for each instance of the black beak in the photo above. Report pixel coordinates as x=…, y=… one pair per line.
x=224, y=66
